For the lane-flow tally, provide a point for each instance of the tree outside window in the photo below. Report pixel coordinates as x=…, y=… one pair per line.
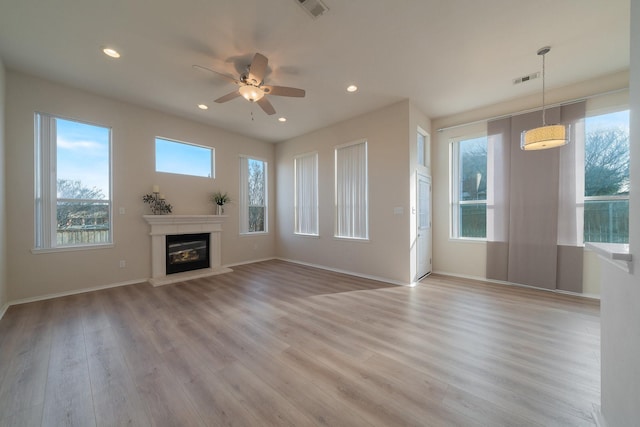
x=256, y=193
x=469, y=196
x=606, y=178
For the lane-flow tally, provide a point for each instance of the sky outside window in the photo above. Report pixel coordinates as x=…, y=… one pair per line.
x=83, y=154
x=184, y=159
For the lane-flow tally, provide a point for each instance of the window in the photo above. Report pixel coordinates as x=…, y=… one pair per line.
x=469, y=188
x=351, y=199
x=184, y=159
x=606, y=178
x=423, y=148
x=73, y=183
x=253, y=195
x=306, y=194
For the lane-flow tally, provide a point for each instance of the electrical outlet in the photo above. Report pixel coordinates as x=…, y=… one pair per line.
x=122, y=211
x=123, y=263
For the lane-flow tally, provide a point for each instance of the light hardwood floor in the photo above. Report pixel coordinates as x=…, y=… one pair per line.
x=279, y=344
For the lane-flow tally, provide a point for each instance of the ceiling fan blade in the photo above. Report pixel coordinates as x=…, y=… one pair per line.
x=228, y=97
x=258, y=68
x=224, y=76
x=266, y=105
x=283, y=91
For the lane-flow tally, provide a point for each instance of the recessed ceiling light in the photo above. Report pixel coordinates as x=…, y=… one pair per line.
x=111, y=52
x=352, y=88
x=282, y=119
x=203, y=106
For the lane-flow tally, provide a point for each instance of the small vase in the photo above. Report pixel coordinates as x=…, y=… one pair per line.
x=219, y=210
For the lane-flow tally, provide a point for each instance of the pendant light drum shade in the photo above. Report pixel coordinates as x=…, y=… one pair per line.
x=544, y=137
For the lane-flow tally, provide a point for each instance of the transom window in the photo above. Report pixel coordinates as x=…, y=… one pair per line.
x=423, y=148
x=184, y=158
x=73, y=183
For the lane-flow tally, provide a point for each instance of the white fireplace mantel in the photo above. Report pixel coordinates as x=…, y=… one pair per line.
x=163, y=225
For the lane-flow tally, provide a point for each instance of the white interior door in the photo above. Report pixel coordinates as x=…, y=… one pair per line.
x=423, y=240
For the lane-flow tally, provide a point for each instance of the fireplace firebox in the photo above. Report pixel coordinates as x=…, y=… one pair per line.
x=187, y=252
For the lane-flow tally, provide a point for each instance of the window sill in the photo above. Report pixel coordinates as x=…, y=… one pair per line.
x=254, y=233
x=615, y=253
x=36, y=251
x=312, y=236
x=351, y=239
x=467, y=240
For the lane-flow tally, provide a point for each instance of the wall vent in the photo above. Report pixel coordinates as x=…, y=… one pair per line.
x=314, y=8
x=524, y=79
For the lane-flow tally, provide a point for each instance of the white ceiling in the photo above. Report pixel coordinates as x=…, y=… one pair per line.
x=448, y=56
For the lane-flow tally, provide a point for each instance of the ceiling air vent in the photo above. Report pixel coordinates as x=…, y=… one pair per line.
x=314, y=8
x=526, y=78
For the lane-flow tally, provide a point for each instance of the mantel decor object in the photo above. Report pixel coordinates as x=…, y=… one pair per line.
x=220, y=199
x=158, y=203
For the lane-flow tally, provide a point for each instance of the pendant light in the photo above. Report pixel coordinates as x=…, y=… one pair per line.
x=546, y=136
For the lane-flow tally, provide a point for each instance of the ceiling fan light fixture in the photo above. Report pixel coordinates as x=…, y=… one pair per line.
x=251, y=93
x=546, y=136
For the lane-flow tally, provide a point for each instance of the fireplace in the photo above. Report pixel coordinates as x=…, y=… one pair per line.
x=164, y=227
x=187, y=252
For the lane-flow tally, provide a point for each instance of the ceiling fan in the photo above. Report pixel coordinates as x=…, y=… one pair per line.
x=252, y=87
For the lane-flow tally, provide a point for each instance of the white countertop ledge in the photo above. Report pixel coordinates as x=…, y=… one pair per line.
x=613, y=251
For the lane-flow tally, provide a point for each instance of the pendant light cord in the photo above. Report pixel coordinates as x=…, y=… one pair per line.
x=544, y=123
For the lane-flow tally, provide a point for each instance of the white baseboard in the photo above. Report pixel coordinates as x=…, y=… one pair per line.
x=350, y=273
x=249, y=262
x=74, y=292
x=501, y=282
x=597, y=416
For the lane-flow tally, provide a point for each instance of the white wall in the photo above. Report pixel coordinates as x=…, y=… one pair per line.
x=3, y=204
x=387, y=253
x=133, y=131
x=449, y=253
x=620, y=300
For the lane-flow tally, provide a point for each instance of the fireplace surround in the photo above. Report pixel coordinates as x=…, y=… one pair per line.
x=177, y=225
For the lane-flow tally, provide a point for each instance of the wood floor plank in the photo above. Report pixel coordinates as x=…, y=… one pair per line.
x=68, y=399
x=275, y=343
x=115, y=397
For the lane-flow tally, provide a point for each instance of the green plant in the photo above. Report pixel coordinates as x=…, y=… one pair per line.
x=220, y=198
x=159, y=205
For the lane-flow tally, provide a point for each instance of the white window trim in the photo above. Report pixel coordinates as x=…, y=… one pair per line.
x=335, y=190
x=454, y=189
x=295, y=195
x=243, y=198
x=590, y=113
x=45, y=165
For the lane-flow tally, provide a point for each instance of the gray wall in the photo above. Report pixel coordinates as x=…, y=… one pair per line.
x=3, y=224
x=620, y=304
